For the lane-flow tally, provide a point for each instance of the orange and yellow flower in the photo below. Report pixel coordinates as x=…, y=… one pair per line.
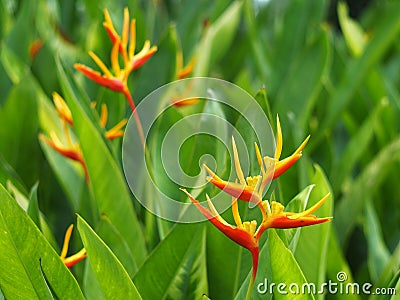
x=71, y=149
x=251, y=189
x=73, y=259
x=116, y=78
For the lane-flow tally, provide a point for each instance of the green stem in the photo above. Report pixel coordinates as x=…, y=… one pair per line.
x=250, y=289
x=128, y=97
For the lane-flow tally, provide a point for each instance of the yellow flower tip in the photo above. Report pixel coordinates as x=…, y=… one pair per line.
x=278, y=149
x=187, y=70
x=104, y=115
x=303, y=145
x=316, y=206
x=188, y=194
x=67, y=238
x=74, y=259
x=107, y=15
x=259, y=157
x=236, y=161
x=62, y=108
x=211, y=173
x=235, y=212
x=116, y=131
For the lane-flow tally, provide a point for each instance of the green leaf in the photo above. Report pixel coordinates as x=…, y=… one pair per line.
x=352, y=31
x=337, y=264
x=367, y=182
x=24, y=203
x=385, y=33
x=18, y=130
x=106, y=266
x=107, y=182
x=180, y=270
x=224, y=261
x=277, y=265
x=27, y=259
x=33, y=207
x=217, y=39
x=378, y=254
x=390, y=272
x=297, y=204
x=298, y=92
x=312, y=247
x=355, y=148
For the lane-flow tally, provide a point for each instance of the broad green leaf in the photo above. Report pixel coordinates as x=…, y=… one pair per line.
x=121, y=249
x=107, y=182
x=217, y=39
x=25, y=202
x=312, y=247
x=106, y=266
x=277, y=265
x=176, y=269
x=29, y=263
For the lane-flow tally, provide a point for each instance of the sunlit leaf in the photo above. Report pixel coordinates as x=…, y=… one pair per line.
x=106, y=265
x=26, y=255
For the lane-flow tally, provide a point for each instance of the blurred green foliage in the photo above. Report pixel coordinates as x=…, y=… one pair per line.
x=339, y=82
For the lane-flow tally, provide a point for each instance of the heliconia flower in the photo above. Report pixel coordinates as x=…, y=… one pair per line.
x=247, y=235
x=74, y=259
x=184, y=102
x=243, y=233
x=62, y=108
x=252, y=188
x=35, y=47
x=184, y=71
x=281, y=166
x=248, y=189
x=274, y=216
x=116, y=79
x=72, y=151
x=114, y=132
